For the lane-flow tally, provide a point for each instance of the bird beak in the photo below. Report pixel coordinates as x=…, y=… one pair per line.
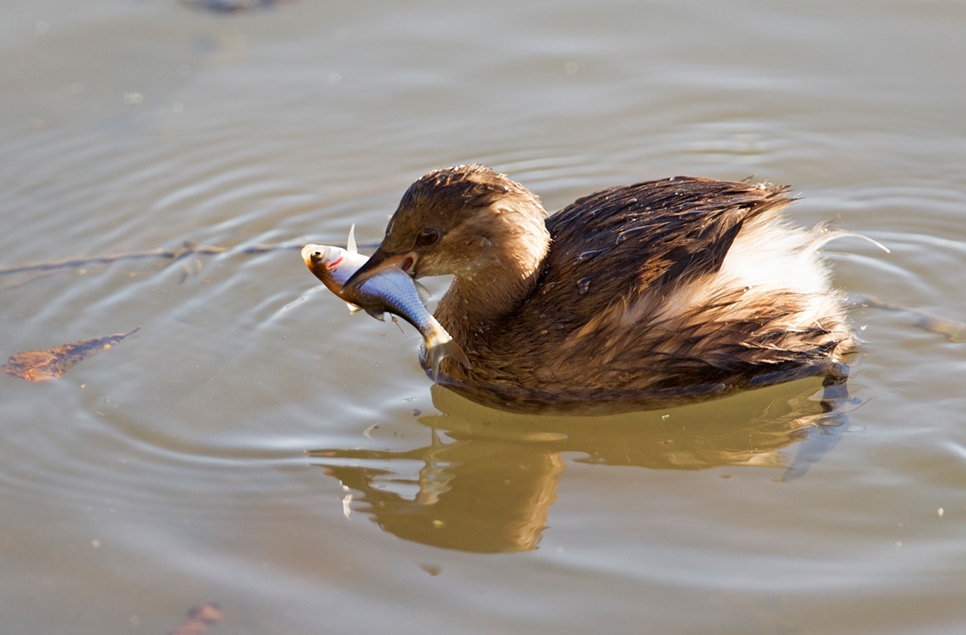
x=381, y=261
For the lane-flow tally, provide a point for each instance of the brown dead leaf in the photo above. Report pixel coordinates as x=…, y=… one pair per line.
x=54, y=362
x=199, y=619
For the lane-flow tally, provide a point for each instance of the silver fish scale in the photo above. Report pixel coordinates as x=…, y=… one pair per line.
x=396, y=292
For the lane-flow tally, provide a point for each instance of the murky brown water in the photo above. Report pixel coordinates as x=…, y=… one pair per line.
x=255, y=445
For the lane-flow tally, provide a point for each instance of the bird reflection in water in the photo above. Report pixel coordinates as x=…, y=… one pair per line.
x=487, y=479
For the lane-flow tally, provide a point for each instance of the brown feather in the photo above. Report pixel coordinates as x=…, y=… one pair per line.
x=630, y=297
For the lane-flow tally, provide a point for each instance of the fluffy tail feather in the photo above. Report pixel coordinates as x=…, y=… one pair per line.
x=825, y=234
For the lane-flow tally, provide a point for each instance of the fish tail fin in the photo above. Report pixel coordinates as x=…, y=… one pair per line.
x=440, y=346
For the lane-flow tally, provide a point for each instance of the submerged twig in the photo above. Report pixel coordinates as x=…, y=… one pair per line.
x=188, y=248
x=953, y=330
x=172, y=254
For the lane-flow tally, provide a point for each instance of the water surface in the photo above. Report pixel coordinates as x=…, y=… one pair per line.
x=255, y=445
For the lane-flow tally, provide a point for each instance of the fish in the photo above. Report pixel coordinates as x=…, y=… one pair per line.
x=391, y=291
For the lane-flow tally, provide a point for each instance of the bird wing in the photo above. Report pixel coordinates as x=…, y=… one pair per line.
x=622, y=242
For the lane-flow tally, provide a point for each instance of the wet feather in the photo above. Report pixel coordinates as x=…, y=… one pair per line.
x=634, y=296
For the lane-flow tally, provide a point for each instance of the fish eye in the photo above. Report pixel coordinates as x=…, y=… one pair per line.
x=427, y=237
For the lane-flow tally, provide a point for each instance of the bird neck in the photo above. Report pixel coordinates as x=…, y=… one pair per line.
x=481, y=296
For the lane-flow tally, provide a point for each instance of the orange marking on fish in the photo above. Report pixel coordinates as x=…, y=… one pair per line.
x=334, y=263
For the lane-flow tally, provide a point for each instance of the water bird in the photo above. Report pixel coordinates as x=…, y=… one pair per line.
x=392, y=292
x=631, y=297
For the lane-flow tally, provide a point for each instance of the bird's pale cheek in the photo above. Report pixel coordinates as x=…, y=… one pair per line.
x=427, y=266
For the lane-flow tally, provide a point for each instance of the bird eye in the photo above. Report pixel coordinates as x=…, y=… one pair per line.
x=427, y=237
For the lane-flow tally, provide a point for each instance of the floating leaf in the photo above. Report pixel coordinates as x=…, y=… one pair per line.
x=199, y=619
x=54, y=362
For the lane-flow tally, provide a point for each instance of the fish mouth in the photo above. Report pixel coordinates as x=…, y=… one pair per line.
x=312, y=254
x=382, y=261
